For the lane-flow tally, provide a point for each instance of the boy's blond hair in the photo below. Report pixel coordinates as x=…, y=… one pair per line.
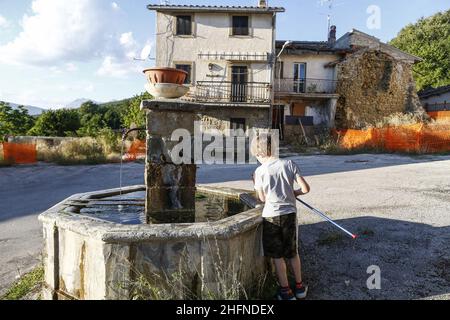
x=262, y=145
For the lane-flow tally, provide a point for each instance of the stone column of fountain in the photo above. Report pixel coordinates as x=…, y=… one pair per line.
x=170, y=187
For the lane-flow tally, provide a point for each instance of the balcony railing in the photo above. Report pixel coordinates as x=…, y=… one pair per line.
x=313, y=86
x=227, y=91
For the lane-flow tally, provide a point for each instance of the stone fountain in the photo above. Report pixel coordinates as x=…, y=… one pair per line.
x=145, y=241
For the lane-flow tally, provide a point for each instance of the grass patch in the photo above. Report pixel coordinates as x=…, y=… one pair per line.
x=25, y=284
x=80, y=151
x=200, y=196
x=4, y=163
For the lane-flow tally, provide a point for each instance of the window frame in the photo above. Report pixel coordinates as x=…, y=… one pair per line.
x=176, y=34
x=250, y=29
x=191, y=74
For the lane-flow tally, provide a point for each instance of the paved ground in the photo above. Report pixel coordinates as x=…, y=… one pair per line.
x=400, y=207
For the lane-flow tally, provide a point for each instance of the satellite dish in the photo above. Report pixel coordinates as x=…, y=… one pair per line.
x=145, y=53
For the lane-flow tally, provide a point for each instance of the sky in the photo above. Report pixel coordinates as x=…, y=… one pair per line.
x=55, y=51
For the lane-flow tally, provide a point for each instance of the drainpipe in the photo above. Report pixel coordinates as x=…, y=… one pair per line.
x=275, y=60
x=272, y=62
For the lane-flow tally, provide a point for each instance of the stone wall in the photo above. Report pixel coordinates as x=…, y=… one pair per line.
x=219, y=117
x=91, y=259
x=372, y=85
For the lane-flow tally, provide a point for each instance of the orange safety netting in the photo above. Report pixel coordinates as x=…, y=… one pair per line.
x=17, y=153
x=406, y=138
x=137, y=148
x=439, y=115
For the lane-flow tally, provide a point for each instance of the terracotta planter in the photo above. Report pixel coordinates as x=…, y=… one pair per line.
x=165, y=75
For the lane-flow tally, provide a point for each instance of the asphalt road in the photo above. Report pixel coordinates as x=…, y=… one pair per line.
x=353, y=188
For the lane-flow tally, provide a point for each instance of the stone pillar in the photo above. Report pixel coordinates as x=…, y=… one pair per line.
x=170, y=194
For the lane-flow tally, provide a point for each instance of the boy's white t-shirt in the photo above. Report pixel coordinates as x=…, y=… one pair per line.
x=276, y=179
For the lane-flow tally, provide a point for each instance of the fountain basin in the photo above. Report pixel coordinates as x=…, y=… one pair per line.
x=90, y=258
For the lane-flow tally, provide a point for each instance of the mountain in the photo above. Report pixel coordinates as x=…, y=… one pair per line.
x=33, y=111
x=78, y=102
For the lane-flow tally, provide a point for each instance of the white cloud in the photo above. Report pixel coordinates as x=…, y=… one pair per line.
x=127, y=40
x=3, y=22
x=70, y=67
x=123, y=62
x=89, y=88
x=56, y=32
x=57, y=35
x=115, y=6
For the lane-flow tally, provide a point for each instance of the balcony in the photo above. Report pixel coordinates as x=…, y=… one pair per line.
x=229, y=92
x=305, y=87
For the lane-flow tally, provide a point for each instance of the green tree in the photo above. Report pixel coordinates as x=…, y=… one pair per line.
x=91, y=125
x=134, y=116
x=112, y=119
x=14, y=121
x=57, y=123
x=429, y=39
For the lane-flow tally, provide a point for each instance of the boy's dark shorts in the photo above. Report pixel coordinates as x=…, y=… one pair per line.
x=280, y=236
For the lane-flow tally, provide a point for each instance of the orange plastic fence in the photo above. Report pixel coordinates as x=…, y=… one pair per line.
x=407, y=138
x=16, y=153
x=137, y=148
x=439, y=115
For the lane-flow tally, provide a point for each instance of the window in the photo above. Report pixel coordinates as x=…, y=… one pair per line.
x=188, y=69
x=184, y=25
x=240, y=26
x=237, y=123
x=299, y=77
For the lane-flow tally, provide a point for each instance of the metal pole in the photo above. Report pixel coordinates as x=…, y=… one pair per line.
x=321, y=214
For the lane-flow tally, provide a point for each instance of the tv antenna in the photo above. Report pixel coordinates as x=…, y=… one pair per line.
x=330, y=4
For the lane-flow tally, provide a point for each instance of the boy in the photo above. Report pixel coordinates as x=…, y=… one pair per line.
x=274, y=182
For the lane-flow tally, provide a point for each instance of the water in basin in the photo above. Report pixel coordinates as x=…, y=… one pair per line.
x=128, y=209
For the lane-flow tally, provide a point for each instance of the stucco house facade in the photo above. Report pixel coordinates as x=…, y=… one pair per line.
x=228, y=53
x=250, y=79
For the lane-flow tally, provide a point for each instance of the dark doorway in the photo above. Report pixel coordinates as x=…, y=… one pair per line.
x=237, y=123
x=278, y=119
x=239, y=77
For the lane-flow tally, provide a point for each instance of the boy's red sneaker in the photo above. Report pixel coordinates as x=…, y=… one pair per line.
x=301, y=291
x=285, y=294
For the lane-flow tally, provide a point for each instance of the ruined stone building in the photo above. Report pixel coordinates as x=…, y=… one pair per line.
x=350, y=82
x=249, y=79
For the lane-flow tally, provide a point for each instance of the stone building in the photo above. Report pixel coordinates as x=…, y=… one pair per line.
x=227, y=52
x=249, y=79
x=350, y=82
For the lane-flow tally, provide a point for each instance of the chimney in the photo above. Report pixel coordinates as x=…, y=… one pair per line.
x=262, y=3
x=332, y=35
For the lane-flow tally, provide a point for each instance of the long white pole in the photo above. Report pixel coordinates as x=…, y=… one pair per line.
x=321, y=214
